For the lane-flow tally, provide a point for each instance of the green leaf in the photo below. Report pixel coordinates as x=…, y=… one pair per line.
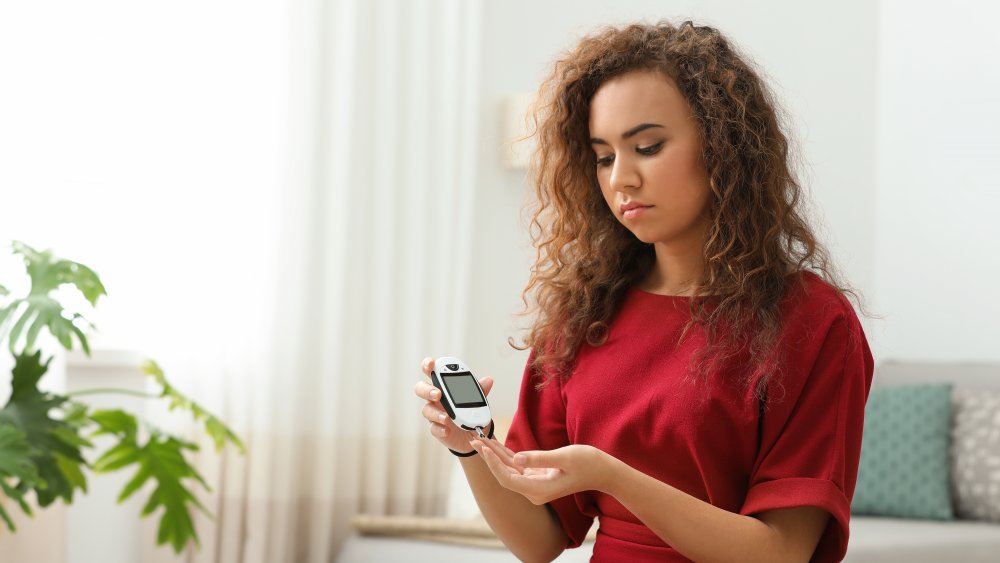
x=79, y=333
x=42, y=311
x=138, y=480
x=55, y=443
x=71, y=469
x=214, y=427
x=221, y=433
x=15, y=462
x=115, y=422
x=176, y=524
x=41, y=320
x=151, y=503
x=5, y=313
x=160, y=459
x=122, y=455
x=71, y=435
x=28, y=371
x=76, y=415
x=15, y=331
x=17, y=493
x=15, y=454
x=50, y=313
x=48, y=273
x=7, y=519
x=4, y=291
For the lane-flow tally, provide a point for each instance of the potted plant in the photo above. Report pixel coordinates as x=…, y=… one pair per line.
x=44, y=435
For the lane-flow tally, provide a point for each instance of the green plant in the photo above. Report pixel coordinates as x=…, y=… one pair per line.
x=43, y=435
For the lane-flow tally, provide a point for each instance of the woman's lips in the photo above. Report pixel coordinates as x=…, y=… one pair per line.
x=634, y=212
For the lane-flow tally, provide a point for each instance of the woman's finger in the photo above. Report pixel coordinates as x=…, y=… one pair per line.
x=509, y=477
x=502, y=453
x=439, y=430
x=434, y=414
x=502, y=446
x=499, y=447
x=426, y=391
x=487, y=384
x=499, y=469
x=427, y=366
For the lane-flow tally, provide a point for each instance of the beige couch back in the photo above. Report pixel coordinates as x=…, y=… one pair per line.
x=962, y=375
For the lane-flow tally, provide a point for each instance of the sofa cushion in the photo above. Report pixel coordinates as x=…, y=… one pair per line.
x=891, y=540
x=976, y=454
x=904, y=468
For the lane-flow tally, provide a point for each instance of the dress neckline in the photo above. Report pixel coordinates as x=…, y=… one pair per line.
x=641, y=291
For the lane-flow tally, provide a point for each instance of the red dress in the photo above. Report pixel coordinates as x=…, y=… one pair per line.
x=630, y=397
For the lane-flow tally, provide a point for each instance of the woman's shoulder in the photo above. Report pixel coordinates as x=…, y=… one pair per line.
x=810, y=298
x=819, y=318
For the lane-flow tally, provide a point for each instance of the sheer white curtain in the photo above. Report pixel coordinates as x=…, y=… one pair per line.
x=291, y=285
x=372, y=271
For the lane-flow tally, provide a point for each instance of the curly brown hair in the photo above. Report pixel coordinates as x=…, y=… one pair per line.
x=587, y=261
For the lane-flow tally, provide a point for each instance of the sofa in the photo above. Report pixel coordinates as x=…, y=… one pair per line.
x=874, y=538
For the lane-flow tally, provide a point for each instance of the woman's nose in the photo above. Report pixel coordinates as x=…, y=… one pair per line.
x=624, y=175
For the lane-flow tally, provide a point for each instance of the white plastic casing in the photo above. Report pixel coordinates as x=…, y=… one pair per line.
x=466, y=417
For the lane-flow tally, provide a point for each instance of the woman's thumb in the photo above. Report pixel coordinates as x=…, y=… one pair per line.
x=487, y=384
x=535, y=459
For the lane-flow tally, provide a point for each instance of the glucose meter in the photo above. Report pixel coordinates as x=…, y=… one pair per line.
x=462, y=397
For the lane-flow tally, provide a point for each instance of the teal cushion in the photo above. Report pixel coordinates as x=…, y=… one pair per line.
x=904, y=453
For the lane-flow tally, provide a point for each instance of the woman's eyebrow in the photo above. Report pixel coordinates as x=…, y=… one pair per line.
x=627, y=134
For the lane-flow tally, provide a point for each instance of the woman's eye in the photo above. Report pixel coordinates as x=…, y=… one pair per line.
x=605, y=161
x=650, y=150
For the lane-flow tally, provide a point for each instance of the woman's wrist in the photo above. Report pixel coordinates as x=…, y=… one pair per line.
x=609, y=471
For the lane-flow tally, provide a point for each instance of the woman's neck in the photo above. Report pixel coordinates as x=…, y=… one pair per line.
x=676, y=270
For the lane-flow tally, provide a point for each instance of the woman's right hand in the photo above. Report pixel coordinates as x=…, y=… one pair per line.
x=441, y=425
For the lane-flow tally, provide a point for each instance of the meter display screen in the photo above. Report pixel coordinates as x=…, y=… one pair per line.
x=463, y=389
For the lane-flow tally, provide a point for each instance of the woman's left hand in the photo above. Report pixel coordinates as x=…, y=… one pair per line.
x=542, y=476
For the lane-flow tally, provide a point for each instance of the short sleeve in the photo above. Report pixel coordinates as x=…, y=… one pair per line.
x=540, y=424
x=812, y=424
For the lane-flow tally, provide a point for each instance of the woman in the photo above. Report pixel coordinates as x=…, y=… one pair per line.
x=697, y=378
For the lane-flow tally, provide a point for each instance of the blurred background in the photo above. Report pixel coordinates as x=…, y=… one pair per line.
x=292, y=202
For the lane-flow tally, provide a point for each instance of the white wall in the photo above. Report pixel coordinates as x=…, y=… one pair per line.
x=820, y=58
x=937, y=259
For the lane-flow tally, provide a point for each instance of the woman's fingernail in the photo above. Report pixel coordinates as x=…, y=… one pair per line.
x=435, y=394
x=441, y=417
x=520, y=459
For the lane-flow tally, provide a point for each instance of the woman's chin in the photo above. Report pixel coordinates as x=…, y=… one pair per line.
x=643, y=236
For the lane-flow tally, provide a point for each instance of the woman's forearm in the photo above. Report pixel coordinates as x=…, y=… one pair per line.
x=698, y=530
x=530, y=531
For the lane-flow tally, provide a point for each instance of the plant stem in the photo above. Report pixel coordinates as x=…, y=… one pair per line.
x=113, y=390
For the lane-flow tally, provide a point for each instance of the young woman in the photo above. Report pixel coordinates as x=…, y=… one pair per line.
x=698, y=378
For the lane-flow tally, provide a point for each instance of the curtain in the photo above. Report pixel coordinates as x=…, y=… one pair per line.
x=295, y=303
x=371, y=275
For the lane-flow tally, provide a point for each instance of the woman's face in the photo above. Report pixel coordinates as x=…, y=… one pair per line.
x=649, y=162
